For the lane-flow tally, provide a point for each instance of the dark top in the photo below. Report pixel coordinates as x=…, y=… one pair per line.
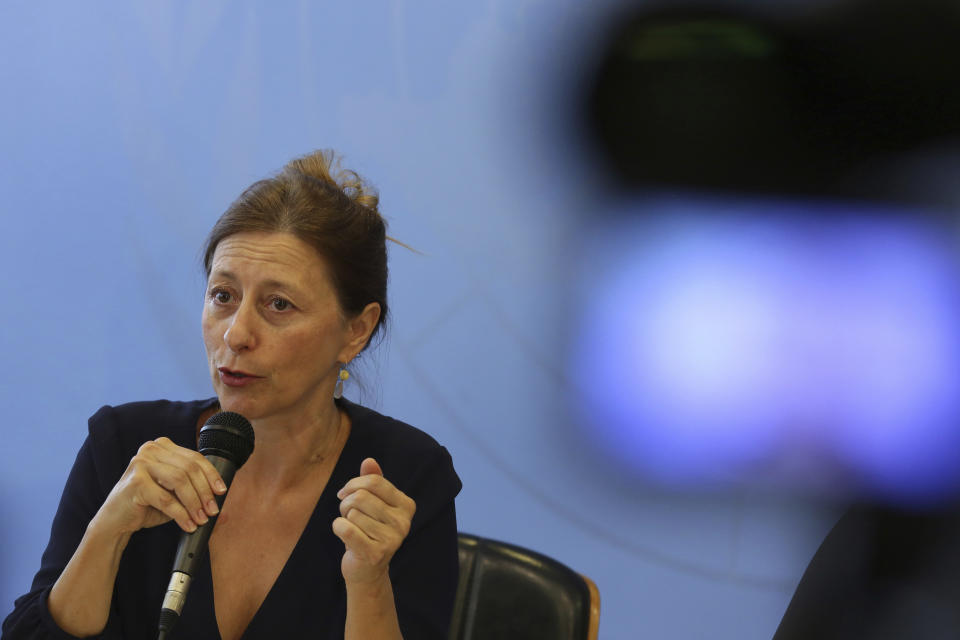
x=881, y=574
x=308, y=598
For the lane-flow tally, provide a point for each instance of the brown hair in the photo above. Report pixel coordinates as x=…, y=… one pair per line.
x=333, y=210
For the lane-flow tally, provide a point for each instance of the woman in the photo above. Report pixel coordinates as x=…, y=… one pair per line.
x=340, y=525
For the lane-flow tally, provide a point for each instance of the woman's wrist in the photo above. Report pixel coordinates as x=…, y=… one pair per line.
x=100, y=533
x=370, y=586
x=371, y=610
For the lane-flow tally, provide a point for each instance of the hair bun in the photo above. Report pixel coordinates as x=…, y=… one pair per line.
x=324, y=165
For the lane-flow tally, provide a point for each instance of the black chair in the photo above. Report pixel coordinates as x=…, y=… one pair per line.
x=511, y=593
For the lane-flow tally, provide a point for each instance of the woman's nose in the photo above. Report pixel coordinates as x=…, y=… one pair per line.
x=241, y=334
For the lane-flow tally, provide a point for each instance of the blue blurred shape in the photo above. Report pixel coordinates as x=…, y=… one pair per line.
x=750, y=341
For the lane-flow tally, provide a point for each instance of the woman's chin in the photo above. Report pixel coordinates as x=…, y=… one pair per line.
x=247, y=409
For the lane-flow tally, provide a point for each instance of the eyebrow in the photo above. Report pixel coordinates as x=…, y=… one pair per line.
x=270, y=284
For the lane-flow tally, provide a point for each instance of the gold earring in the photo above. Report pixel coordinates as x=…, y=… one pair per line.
x=338, y=389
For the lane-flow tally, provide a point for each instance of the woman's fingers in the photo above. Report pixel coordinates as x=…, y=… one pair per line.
x=376, y=510
x=380, y=487
x=375, y=519
x=147, y=493
x=201, y=473
x=178, y=482
x=369, y=465
x=198, y=462
x=369, y=551
x=374, y=529
x=165, y=481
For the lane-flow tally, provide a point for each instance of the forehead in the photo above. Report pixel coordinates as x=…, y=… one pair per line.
x=276, y=255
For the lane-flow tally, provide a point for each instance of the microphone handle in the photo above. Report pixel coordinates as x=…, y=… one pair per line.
x=193, y=546
x=190, y=552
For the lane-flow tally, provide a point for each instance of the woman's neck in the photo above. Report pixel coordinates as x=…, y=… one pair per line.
x=289, y=450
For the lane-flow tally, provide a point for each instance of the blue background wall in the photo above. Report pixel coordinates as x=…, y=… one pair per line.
x=126, y=130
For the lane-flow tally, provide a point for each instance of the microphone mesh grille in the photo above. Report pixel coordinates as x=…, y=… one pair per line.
x=229, y=435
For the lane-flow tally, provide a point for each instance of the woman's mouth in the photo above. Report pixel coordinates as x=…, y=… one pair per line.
x=233, y=378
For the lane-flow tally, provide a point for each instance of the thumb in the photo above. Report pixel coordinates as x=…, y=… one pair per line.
x=370, y=466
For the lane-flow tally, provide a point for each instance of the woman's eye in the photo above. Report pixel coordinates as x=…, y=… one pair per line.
x=279, y=304
x=221, y=296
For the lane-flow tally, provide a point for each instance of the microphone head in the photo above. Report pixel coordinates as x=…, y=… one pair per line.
x=227, y=435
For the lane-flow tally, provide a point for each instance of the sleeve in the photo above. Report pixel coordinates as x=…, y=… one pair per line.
x=425, y=569
x=82, y=496
x=883, y=572
x=830, y=601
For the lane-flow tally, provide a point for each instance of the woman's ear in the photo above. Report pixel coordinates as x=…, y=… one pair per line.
x=359, y=329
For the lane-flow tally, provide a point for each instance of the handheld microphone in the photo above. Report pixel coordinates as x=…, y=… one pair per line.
x=226, y=440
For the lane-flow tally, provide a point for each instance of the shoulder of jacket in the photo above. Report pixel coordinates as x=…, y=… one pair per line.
x=392, y=433
x=131, y=424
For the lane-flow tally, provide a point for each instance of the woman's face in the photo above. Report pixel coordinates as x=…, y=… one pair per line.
x=273, y=328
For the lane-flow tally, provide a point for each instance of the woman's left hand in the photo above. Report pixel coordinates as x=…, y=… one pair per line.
x=374, y=520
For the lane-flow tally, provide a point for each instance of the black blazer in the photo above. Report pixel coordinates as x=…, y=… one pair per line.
x=309, y=598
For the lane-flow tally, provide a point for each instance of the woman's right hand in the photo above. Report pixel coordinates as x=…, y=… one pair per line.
x=163, y=482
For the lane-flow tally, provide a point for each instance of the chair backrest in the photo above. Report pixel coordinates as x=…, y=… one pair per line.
x=511, y=593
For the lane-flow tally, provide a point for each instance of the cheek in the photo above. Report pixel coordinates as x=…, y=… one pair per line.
x=208, y=327
x=306, y=351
